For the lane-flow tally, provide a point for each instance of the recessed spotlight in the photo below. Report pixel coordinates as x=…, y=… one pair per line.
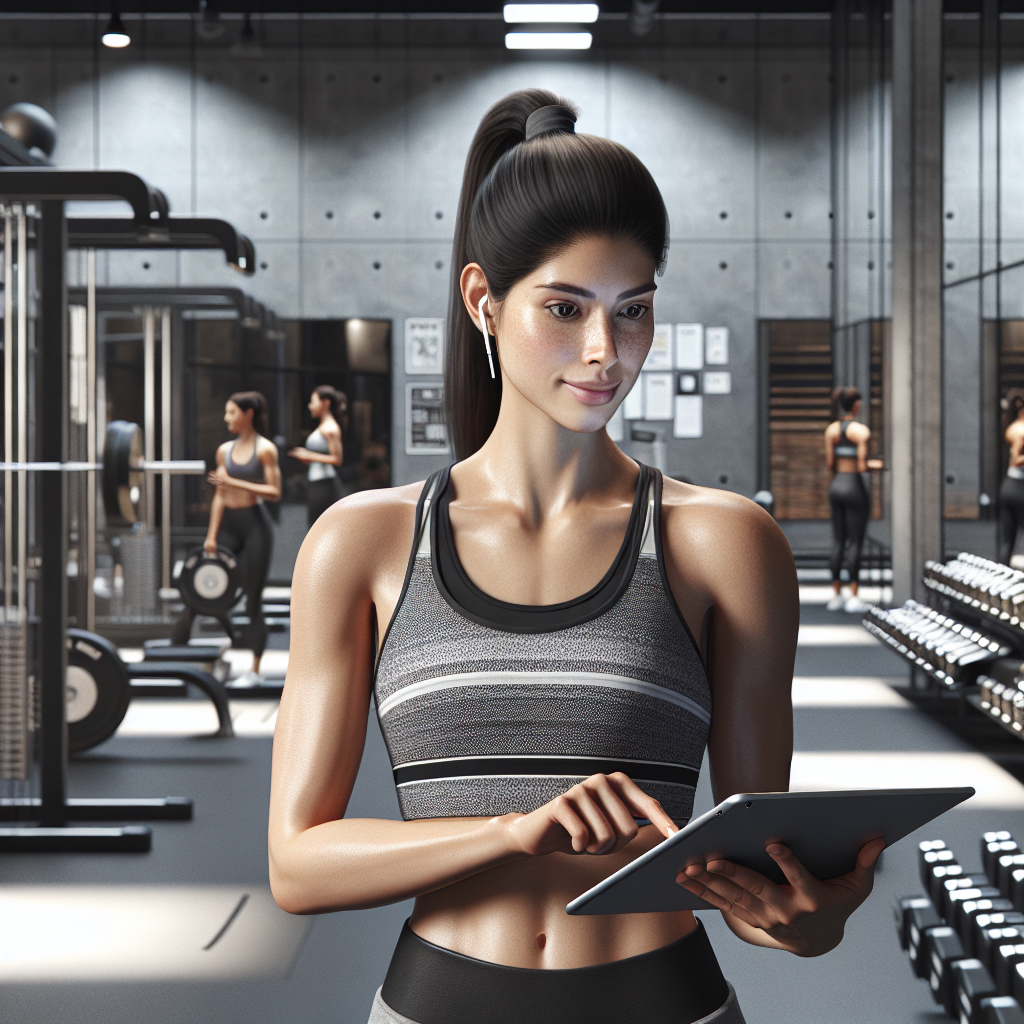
x=560, y=14
x=548, y=40
x=116, y=36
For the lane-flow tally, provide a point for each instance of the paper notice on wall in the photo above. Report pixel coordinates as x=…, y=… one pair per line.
x=425, y=430
x=660, y=356
x=689, y=417
x=617, y=426
x=716, y=346
x=689, y=346
x=717, y=382
x=658, y=389
x=633, y=403
x=424, y=345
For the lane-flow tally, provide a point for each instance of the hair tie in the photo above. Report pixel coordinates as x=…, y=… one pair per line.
x=555, y=118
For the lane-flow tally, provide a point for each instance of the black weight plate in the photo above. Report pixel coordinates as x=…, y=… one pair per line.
x=97, y=687
x=209, y=584
x=123, y=478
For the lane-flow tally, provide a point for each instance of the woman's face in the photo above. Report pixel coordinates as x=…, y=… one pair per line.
x=573, y=334
x=316, y=406
x=235, y=418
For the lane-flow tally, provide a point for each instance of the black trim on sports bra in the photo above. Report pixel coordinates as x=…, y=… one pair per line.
x=465, y=597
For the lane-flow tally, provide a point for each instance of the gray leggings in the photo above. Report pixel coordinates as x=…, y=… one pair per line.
x=728, y=1013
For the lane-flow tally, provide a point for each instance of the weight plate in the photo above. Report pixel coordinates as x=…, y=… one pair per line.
x=97, y=688
x=209, y=584
x=82, y=693
x=123, y=476
x=211, y=580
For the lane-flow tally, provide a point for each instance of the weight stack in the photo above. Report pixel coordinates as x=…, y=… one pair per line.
x=16, y=717
x=140, y=559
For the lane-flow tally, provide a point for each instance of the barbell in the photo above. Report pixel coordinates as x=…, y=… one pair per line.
x=123, y=471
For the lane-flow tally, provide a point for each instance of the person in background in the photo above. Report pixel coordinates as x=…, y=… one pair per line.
x=1011, y=491
x=846, y=450
x=323, y=451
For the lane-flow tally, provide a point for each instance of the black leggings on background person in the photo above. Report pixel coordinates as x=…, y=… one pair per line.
x=851, y=508
x=247, y=533
x=1011, y=515
x=322, y=494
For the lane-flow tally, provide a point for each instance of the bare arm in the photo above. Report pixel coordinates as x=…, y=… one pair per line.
x=1015, y=438
x=830, y=448
x=216, y=511
x=320, y=860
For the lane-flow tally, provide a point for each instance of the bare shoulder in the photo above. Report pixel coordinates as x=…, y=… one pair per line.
x=717, y=528
x=223, y=449
x=832, y=430
x=265, y=448
x=360, y=534
x=858, y=431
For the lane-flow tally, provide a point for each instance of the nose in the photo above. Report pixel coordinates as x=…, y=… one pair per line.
x=599, y=342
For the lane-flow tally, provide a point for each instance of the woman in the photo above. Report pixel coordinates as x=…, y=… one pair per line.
x=247, y=473
x=538, y=607
x=846, y=451
x=1011, y=491
x=323, y=450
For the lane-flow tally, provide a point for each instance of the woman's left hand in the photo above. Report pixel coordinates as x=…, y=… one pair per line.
x=219, y=477
x=806, y=916
x=300, y=454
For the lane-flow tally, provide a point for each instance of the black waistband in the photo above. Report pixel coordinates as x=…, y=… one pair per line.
x=681, y=982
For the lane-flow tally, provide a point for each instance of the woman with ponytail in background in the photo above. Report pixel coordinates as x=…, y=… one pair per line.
x=1011, y=491
x=247, y=473
x=545, y=627
x=323, y=451
x=846, y=452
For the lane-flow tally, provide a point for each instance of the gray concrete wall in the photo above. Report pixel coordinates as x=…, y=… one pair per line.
x=344, y=166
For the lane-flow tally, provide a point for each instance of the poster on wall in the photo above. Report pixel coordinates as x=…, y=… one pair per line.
x=689, y=346
x=689, y=416
x=716, y=346
x=425, y=429
x=424, y=345
x=660, y=356
x=717, y=382
x=658, y=389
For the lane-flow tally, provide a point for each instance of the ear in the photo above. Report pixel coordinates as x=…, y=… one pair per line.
x=473, y=284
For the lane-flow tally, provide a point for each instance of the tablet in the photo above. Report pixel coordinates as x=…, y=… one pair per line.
x=824, y=830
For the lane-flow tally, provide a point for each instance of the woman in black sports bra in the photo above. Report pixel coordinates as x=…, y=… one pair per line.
x=247, y=473
x=550, y=634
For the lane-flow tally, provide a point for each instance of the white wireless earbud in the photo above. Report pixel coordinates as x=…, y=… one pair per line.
x=486, y=333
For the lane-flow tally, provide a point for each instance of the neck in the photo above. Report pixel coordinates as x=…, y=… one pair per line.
x=246, y=434
x=532, y=462
x=327, y=417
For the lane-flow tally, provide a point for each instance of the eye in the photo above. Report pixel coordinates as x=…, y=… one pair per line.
x=563, y=310
x=635, y=312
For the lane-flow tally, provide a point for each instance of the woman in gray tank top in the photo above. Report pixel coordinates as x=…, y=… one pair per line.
x=551, y=634
x=323, y=451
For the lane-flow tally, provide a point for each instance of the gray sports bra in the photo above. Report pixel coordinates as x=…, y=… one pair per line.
x=845, y=448
x=251, y=470
x=488, y=707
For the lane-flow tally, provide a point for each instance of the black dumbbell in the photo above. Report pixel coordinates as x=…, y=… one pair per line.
x=990, y=939
x=963, y=903
x=937, y=876
x=1006, y=864
x=991, y=849
x=1016, y=887
x=953, y=886
x=928, y=858
x=903, y=916
x=971, y=910
x=973, y=983
x=919, y=920
x=942, y=948
x=1005, y=957
x=1002, y=1010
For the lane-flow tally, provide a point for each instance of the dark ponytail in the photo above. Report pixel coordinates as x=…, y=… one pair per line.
x=246, y=400
x=521, y=203
x=843, y=401
x=337, y=400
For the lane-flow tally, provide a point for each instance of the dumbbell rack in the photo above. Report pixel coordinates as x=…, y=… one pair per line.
x=966, y=936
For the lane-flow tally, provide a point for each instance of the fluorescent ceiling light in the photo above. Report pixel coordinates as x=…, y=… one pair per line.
x=548, y=40
x=561, y=14
x=116, y=36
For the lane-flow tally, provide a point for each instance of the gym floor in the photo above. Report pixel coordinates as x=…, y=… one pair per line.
x=187, y=933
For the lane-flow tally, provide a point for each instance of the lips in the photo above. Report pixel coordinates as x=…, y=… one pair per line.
x=595, y=393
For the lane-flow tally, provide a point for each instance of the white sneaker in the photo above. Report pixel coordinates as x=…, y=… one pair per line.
x=856, y=606
x=836, y=603
x=247, y=679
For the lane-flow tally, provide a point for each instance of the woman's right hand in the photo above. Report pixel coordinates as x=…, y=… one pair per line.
x=596, y=816
x=210, y=545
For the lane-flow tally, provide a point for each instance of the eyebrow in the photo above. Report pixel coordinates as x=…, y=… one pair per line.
x=583, y=293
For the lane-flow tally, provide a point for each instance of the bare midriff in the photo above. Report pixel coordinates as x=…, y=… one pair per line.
x=846, y=465
x=235, y=497
x=515, y=915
